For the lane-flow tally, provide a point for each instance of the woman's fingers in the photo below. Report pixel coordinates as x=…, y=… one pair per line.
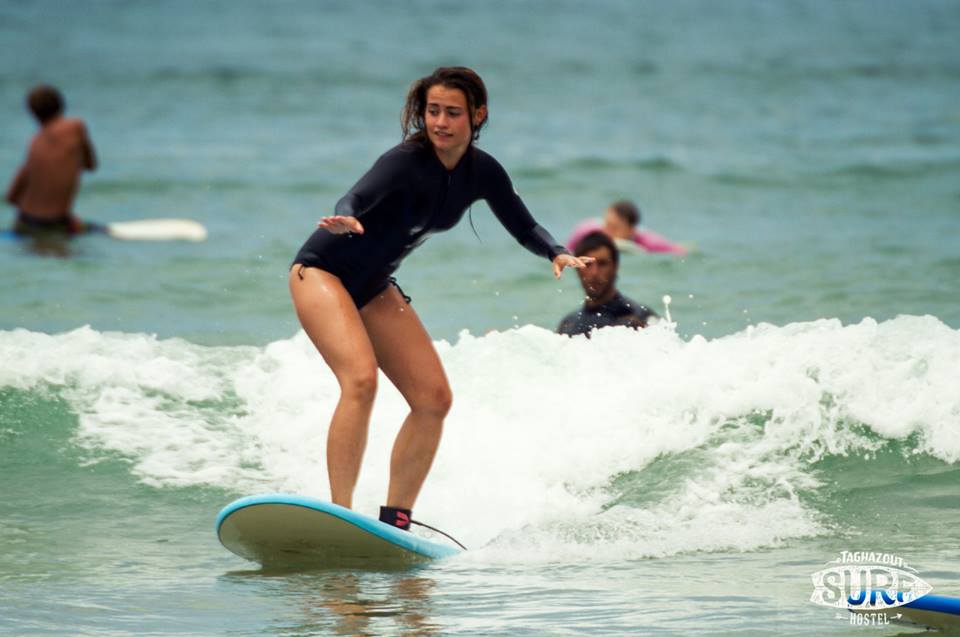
x=355, y=225
x=569, y=261
x=338, y=224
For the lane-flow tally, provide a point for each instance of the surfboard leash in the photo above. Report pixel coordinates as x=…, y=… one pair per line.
x=446, y=535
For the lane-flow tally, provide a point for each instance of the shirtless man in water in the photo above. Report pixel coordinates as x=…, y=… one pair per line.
x=46, y=184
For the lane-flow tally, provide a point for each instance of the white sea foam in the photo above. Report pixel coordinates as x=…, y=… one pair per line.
x=542, y=425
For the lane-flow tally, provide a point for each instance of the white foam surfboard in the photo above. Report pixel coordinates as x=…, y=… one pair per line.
x=158, y=230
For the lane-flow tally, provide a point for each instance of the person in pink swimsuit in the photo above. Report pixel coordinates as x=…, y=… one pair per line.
x=621, y=220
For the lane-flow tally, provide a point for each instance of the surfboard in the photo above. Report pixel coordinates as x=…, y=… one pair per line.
x=938, y=612
x=144, y=230
x=933, y=611
x=283, y=530
x=158, y=230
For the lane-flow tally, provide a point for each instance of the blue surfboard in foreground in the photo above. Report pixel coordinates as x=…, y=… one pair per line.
x=939, y=612
x=933, y=611
x=286, y=530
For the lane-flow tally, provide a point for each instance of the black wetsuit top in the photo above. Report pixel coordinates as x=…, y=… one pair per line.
x=617, y=311
x=405, y=197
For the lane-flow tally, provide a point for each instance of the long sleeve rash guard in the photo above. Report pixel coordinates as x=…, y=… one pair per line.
x=405, y=197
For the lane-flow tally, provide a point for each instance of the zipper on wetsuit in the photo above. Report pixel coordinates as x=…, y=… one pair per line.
x=418, y=236
x=438, y=211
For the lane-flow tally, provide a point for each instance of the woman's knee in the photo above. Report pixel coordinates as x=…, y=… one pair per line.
x=360, y=386
x=436, y=401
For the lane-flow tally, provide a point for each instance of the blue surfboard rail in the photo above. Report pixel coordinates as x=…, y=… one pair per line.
x=403, y=539
x=936, y=604
x=936, y=612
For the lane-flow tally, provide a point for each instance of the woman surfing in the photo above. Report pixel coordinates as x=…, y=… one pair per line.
x=351, y=307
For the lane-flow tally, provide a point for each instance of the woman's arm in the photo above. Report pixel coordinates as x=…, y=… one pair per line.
x=499, y=193
x=510, y=210
x=652, y=242
x=383, y=178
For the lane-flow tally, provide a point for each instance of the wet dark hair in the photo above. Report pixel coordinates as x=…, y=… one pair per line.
x=627, y=210
x=453, y=77
x=45, y=102
x=594, y=240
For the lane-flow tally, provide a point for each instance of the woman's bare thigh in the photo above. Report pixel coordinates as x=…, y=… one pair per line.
x=404, y=350
x=331, y=320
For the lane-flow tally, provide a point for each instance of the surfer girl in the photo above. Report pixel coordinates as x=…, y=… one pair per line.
x=352, y=308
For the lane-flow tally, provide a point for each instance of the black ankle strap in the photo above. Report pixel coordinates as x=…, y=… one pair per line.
x=393, y=516
x=401, y=519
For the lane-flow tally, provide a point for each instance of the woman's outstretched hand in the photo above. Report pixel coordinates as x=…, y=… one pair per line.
x=562, y=261
x=338, y=224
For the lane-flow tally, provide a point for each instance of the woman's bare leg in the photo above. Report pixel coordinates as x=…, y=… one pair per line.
x=406, y=355
x=330, y=319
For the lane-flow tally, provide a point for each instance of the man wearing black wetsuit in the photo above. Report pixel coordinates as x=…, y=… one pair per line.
x=604, y=305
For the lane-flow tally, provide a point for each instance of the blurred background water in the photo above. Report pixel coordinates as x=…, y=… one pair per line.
x=668, y=481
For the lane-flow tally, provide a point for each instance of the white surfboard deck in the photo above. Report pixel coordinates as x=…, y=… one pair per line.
x=158, y=230
x=282, y=530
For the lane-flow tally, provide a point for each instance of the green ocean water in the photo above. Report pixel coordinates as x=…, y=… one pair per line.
x=686, y=480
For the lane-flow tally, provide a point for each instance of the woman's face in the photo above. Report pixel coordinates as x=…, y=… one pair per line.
x=448, y=120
